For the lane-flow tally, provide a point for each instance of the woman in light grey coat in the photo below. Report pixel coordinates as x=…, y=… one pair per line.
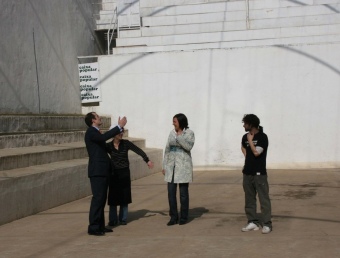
x=177, y=167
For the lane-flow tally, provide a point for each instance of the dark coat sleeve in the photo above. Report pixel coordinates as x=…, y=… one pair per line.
x=96, y=136
x=137, y=150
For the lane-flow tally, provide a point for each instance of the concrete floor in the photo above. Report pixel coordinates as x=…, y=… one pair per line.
x=305, y=207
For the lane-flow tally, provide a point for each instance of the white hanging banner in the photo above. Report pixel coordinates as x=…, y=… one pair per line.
x=89, y=83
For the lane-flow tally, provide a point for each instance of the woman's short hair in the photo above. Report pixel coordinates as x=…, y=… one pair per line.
x=182, y=120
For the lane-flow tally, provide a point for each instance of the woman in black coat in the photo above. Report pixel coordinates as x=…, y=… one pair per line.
x=120, y=180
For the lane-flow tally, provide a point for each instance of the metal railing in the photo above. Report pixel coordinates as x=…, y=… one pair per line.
x=247, y=14
x=112, y=11
x=113, y=25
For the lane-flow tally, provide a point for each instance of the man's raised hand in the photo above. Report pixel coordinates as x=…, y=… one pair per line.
x=122, y=121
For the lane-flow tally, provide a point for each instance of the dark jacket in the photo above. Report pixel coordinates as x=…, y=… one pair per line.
x=120, y=180
x=99, y=161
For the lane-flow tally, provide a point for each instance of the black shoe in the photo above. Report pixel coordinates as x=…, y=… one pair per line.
x=108, y=230
x=97, y=233
x=123, y=223
x=172, y=222
x=182, y=222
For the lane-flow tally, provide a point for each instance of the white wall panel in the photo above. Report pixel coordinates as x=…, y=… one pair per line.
x=294, y=90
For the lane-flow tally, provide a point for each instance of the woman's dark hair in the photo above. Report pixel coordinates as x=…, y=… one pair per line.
x=88, y=118
x=253, y=121
x=182, y=120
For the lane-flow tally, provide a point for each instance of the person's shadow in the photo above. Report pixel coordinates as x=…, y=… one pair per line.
x=141, y=214
x=194, y=213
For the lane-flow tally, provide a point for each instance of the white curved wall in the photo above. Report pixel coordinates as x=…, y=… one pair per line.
x=294, y=90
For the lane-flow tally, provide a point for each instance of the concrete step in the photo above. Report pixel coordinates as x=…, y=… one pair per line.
x=39, y=138
x=37, y=155
x=193, y=9
x=184, y=14
x=103, y=27
x=267, y=9
x=295, y=21
x=130, y=33
x=240, y=25
x=193, y=18
x=326, y=1
x=193, y=28
x=261, y=4
x=240, y=15
x=103, y=21
x=302, y=11
x=156, y=3
x=42, y=138
x=105, y=15
x=46, y=123
x=257, y=4
x=27, y=191
x=323, y=39
x=36, y=178
x=275, y=33
x=152, y=16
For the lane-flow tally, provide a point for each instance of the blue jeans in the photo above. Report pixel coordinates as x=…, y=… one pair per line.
x=123, y=212
x=184, y=199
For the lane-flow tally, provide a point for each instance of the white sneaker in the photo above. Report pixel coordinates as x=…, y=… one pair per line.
x=251, y=226
x=266, y=230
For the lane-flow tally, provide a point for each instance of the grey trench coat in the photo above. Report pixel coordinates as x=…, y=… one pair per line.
x=177, y=157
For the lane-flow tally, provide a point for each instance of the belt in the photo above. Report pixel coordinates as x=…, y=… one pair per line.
x=175, y=148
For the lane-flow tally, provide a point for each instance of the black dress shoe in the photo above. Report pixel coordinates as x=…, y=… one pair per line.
x=108, y=230
x=97, y=233
x=172, y=222
x=123, y=223
x=182, y=222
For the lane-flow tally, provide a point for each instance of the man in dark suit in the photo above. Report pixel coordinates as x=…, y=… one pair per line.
x=99, y=169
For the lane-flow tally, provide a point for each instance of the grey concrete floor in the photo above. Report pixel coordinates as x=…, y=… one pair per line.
x=305, y=207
